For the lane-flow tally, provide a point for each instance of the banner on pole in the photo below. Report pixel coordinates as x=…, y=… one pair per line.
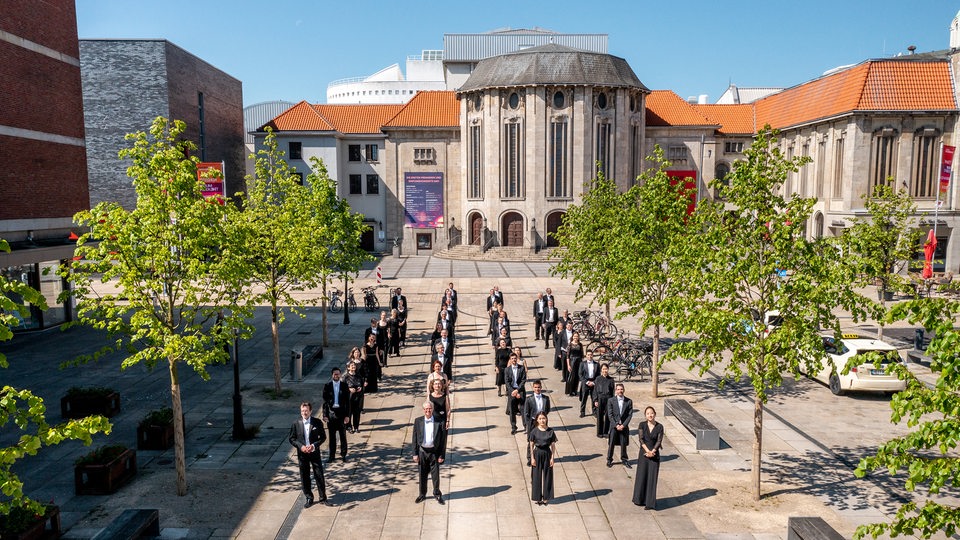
x=946, y=168
x=210, y=174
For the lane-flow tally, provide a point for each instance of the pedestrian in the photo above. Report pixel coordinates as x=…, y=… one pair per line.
x=515, y=380
x=501, y=359
x=648, y=464
x=537, y=403
x=306, y=435
x=429, y=448
x=619, y=411
x=603, y=390
x=539, y=305
x=543, y=447
x=371, y=360
x=354, y=380
x=588, y=372
x=440, y=399
x=437, y=374
x=574, y=358
x=356, y=358
x=550, y=317
x=402, y=318
x=383, y=338
x=394, y=332
x=336, y=409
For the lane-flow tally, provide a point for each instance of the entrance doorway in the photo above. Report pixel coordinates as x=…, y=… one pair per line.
x=476, y=228
x=553, y=224
x=512, y=227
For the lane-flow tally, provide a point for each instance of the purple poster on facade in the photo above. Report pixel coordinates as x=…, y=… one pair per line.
x=423, y=199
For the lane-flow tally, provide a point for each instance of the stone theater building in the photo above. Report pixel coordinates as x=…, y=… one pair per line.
x=530, y=116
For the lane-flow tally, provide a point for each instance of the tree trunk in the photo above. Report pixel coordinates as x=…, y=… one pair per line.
x=757, y=445
x=882, y=294
x=323, y=315
x=655, y=368
x=179, y=450
x=275, y=331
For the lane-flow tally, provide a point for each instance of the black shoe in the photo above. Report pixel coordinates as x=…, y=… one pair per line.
x=609, y=464
x=528, y=463
x=326, y=502
x=626, y=464
x=420, y=498
x=539, y=503
x=332, y=459
x=513, y=431
x=308, y=504
x=581, y=414
x=440, y=499
x=343, y=459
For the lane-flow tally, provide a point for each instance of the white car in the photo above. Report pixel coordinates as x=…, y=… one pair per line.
x=864, y=377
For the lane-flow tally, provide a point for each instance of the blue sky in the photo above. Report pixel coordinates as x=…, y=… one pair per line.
x=291, y=49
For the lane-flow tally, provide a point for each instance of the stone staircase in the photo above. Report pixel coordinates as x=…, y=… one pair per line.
x=472, y=253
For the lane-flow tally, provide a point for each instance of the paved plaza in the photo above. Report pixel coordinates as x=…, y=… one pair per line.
x=250, y=490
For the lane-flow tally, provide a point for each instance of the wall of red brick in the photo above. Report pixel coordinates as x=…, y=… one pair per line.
x=41, y=179
x=39, y=93
x=51, y=23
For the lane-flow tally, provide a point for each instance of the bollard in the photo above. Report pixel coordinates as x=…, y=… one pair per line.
x=296, y=365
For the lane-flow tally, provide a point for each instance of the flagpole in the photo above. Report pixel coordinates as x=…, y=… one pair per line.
x=936, y=208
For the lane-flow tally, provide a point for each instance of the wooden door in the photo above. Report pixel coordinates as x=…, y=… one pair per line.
x=476, y=229
x=513, y=230
x=553, y=223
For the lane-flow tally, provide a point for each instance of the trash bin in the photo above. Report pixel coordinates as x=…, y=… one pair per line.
x=918, y=340
x=296, y=365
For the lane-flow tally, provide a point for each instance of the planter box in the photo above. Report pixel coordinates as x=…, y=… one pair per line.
x=82, y=406
x=154, y=437
x=45, y=528
x=105, y=478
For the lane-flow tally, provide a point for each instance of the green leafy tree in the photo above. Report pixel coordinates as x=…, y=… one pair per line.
x=168, y=265
x=927, y=455
x=24, y=409
x=284, y=233
x=623, y=246
x=882, y=242
x=753, y=258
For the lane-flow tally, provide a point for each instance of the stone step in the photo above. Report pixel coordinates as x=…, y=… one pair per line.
x=499, y=253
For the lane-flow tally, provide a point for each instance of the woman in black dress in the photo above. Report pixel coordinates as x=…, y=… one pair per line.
x=441, y=403
x=394, y=325
x=574, y=357
x=371, y=360
x=354, y=382
x=402, y=322
x=648, y=465
x=383, y=338
x=543, y=448
x=500, y=360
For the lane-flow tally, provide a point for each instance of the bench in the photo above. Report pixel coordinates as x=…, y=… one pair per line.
x=708, y=436
x=304, y=360
x=810, y=528
x=132, y=524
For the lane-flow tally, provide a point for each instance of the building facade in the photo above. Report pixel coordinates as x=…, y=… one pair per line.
x=43, y=164
x=128, y=83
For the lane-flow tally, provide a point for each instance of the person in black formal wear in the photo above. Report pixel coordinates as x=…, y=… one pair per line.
x=453, y=294
x=397, y=298
x=619, y=411
x=536, y=403
x=550, y=317
x=539, y=305
x=572, y=363
x=336, y=405
x=588, y=372
x=501, y=360
x=603, y=390
x=542, y=443
x=394, y=325
x=444, y=355
x=549, y=295
x=383, y=338
x=515, y=379
x=402, y=322
x=371, y=361
x=429, y=448
x=355, y=383
x=306, y=435
x=648, y=464
x=561, y=340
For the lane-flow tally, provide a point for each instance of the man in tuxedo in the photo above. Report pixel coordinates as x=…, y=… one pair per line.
x=535, y=404
x=588, y=372
x=336, y=405
x=306, y=435
x=397, y=298
x=619, y=411
x=515, y=379
x=443, y=317
x=429, y=447
x=550, y=317
x=539, y=305
x=564, y=336
x=603, y=390
x=453, y=294
x=549, y=296
x=498, y=294
x=445, y=356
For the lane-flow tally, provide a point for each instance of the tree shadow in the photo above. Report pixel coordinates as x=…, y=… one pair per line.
x=687, y=498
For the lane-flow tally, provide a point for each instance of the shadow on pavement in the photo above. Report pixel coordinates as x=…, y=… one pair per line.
x=680, y=500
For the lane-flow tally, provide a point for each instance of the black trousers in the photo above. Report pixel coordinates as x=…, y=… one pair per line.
x=356, y=406
x=549, y=329
x=337, y=426
x=429, y=466
x=603, y=423
x=618, y=438
x=538, y=327
x=586, y=394
x=308, y=461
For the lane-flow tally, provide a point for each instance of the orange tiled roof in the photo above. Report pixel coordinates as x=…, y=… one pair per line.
x=666, y=108
x=733, y=119
x=300, y=117
x=357, y=118
x=435, y=108
x=888, y=85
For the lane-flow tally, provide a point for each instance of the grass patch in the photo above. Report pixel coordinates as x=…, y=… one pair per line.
x=271, y=393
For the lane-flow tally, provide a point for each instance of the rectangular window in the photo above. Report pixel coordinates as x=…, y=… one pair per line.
x=821, y=165
x=512, y=185
x=677, y=154
x=370, y=151
x=424, y=156
x=923, y=177
x=636, y=154
x=475, y=186
x=788, y=182
x=295, y=150
x=838, y=168
x=373, y=184
x=355, y=184
x=354, y=152
x=805, y=172
x=557, y=185
x=602, y=150
x=883, y=157
x=732, y=147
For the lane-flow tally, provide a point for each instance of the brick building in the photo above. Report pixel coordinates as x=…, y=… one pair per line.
x=43, y=164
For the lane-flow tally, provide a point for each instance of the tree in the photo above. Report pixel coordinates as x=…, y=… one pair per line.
x=753, y=258
x=882, y=242
x=171, y=265
x=278, y=224
x=26, y=410
x=928, y=453
x=623, y=246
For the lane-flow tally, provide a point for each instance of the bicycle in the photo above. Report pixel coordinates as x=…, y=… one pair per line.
x=351, y=301
x=370, y=302
x=336, y=304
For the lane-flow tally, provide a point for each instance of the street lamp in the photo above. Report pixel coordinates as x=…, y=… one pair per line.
x=346, y=301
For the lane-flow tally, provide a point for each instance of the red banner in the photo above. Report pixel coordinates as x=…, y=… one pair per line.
x=946, y=168
x=210, y=174
x=689, y=179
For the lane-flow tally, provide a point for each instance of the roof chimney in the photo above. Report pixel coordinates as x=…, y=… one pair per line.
x=912, y=48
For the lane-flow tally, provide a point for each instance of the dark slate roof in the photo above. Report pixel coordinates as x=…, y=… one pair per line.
x=552, y=65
